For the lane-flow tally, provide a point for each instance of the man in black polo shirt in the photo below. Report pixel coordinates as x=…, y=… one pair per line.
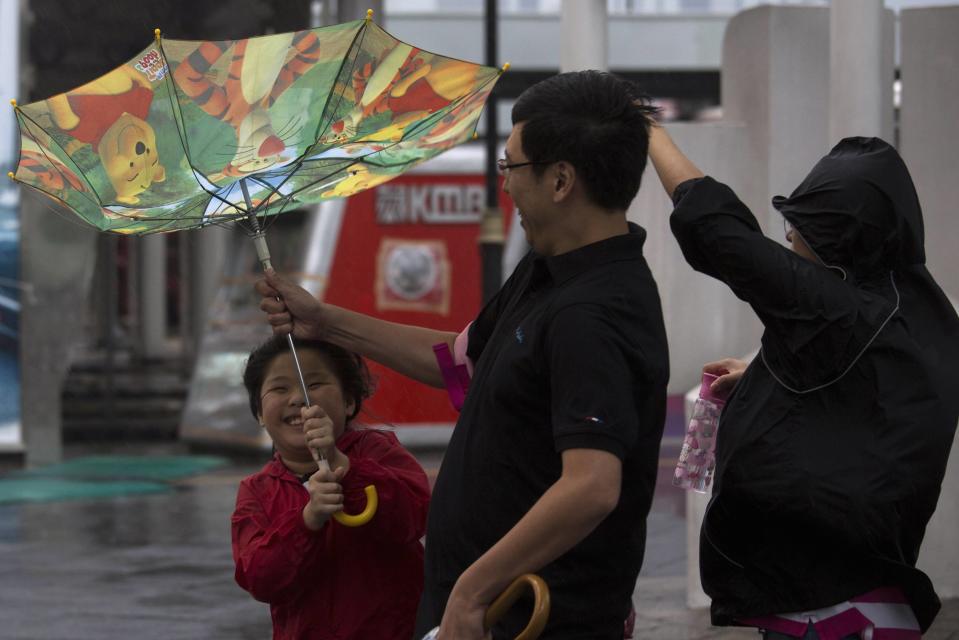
x=552, y=464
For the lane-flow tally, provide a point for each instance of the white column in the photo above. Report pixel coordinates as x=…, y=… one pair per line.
x=151, y=273
x=208, y=253
x=584, y=41
x=56, y=261
x=929, y=136
x=857, y=82
x=928, y=130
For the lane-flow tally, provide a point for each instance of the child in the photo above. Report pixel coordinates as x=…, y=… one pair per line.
x=322, y=579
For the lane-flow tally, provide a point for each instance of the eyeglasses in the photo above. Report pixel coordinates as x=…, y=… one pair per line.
x=504, y=167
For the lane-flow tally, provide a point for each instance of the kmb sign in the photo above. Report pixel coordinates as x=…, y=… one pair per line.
x=429, y=203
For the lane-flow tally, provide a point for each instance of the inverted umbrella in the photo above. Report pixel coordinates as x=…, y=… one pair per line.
x=195, y=133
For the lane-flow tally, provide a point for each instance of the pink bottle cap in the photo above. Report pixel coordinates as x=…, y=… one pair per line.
x=706, y=393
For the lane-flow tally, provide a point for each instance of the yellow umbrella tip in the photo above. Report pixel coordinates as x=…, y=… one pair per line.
x=505, y=67
x=11, y=176
x=369, y=14
x=156, y=33
x=475, y=135
x=13, y=103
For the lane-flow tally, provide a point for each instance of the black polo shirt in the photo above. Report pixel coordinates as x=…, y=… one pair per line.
x=571, y=353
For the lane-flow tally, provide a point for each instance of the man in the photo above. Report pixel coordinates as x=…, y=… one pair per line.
x=552, y=464
x=833, y=446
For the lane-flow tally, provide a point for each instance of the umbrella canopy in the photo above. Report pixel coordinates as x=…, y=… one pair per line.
x=166, y=141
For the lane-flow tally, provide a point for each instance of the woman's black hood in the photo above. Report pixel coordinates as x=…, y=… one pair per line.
x=858, y=210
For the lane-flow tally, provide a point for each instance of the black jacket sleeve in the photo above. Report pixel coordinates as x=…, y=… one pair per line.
x=812, y=317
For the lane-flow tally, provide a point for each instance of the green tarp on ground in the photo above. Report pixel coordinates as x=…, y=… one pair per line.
x=102, y=477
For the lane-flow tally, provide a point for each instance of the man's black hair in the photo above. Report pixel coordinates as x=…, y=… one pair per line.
x=595, y=121
x=349, y=368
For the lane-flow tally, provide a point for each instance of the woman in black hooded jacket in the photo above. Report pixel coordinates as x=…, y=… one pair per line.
x=832, y=448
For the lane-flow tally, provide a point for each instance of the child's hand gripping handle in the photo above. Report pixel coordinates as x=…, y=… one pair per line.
x=372, y=500
x=501, y=605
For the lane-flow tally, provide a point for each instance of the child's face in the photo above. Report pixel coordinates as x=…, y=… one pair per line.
x=281, y=398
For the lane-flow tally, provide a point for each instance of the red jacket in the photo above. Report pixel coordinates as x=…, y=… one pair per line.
x=338, y=582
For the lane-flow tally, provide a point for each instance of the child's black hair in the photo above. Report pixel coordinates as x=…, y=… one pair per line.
x=350, y=369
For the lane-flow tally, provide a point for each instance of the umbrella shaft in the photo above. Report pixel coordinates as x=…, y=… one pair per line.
x=318, y=456
x=263, y=253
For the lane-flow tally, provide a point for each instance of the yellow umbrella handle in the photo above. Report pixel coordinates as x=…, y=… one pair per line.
x=501, y=605
x=372, y=501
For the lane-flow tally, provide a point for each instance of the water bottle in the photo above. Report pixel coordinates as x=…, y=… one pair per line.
x=697, y=459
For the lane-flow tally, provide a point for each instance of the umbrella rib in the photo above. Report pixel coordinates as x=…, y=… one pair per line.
x=179, y=119
x=33, y=137
x=175, y=107
x=72, y=219
x=324, y=177
x=372, y=157
x=165, y=227
x=269, y=220
x=354, y=52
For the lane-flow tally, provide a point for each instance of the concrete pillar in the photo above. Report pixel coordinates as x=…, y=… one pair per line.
x=57, y=258
x=208, y=249
x=583, y=35
x=860, y=70
x=775, y=80
x=151, y=295
x=929, y=137
x=928, y=132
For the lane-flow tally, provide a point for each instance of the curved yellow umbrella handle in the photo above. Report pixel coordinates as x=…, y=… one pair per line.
x=372, y=501
x=501, y=605
x=359, y=519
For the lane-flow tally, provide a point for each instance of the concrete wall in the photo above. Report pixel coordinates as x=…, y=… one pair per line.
x=929, y=129
x=775, y=79
x=929, y=139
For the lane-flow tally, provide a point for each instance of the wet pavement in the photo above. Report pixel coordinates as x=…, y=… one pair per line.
x=160, y=566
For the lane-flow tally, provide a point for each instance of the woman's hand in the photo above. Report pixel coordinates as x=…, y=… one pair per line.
x=729, y=370
x=290, y=308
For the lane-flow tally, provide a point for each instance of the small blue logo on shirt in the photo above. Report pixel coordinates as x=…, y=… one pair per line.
x=519, y=335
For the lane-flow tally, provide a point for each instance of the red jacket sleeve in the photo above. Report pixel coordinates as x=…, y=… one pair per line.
x=272, y=556
x=377, y=458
